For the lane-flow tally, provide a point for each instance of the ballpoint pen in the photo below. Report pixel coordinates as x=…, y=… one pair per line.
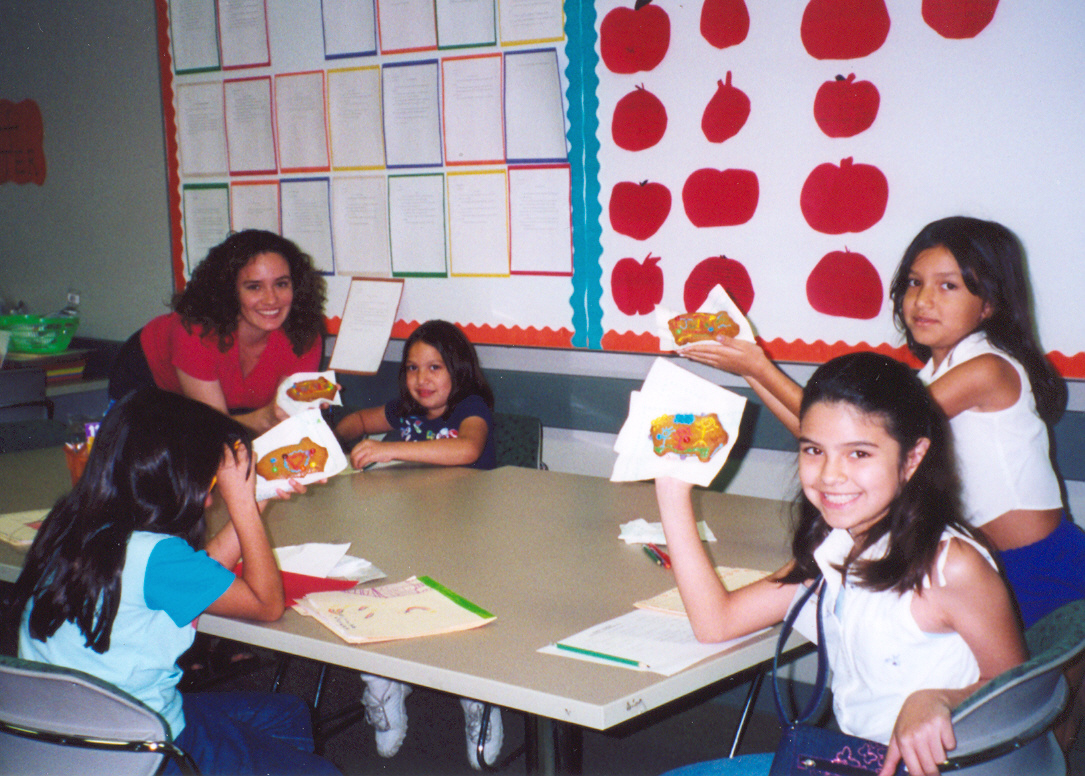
x=655, y=558
x=662, y=555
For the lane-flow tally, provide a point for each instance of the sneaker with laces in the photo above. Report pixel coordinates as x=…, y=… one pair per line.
x=495, y=734
x=386, y=712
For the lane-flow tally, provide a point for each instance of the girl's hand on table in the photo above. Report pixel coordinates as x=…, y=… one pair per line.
x=922, y=734
x=369, y=451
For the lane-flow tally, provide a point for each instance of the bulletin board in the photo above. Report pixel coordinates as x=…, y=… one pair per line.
x=549, y=175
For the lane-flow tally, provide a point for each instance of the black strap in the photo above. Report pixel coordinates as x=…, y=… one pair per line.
x=820, y=682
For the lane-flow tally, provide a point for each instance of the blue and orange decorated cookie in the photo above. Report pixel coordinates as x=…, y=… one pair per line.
x=688, y=434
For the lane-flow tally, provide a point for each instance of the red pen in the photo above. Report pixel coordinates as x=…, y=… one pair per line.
x=662, y=555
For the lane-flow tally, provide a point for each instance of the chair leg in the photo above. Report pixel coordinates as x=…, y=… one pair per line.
x=747, y=709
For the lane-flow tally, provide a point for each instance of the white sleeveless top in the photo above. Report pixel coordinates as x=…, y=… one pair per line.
x=1003, y=457
x=877, y=652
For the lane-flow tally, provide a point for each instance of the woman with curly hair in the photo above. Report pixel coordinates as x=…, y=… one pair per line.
x=251, y=314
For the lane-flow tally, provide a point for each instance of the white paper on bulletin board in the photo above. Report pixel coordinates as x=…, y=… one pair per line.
x=366, y=326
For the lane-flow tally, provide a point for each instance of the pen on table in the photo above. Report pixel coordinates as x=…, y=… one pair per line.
x=662, y=555
x=655, y=558
x=601, y=655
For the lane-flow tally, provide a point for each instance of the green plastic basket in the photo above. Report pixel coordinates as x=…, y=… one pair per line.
x=38, y=333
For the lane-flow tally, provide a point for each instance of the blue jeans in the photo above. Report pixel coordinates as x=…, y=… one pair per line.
x=249, y=733
x=746, y=765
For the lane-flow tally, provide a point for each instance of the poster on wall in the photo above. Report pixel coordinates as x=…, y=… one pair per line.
x=647, y=155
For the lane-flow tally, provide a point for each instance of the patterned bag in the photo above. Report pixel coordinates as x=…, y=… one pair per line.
x=806, y=750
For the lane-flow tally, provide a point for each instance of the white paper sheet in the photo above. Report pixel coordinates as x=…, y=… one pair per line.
x=406, y=25
x=307, y=218
x=416, y=218
x=201, y=129
x=207, y=220
x=669, y=389
x=299, y=118
x=718, y=300
x=254, y=205
x=641, y=640
x=412, y=125
x=354, y=117
x=534, y=113
x=360, y=226
x=472, y=110
x=366, y=325
x=478, y=224
x=540, y=221
x=315, y=559
x=193, y=35
x=250, y=141
x=349, y=27
x=243, y=31
x=291, y=431
x=531, y=21
x=465, y=23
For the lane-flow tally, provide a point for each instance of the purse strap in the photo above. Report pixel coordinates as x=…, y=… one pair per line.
x=820, y=682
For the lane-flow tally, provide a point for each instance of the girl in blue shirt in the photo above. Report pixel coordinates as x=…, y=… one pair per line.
x=116, y=576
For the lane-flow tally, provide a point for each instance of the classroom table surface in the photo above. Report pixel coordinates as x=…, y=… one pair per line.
x=539, y=549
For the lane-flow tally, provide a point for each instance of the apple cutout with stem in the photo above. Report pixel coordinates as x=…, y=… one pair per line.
x=637, y=286
x=958, y=19
x=720, y=197
x=635, y=39
x=846, y=285
x=718, y=271
x=640, y=120
x=844, y=29
x=845, y=107
x=637, y=210
x=726, y=112
x=724, y=23
x=848, y=198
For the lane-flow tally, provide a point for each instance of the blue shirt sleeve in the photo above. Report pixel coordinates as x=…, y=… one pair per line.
x=182, y=581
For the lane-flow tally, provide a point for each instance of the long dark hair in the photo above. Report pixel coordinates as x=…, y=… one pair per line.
x=210, y=296
x=460, y=359
x=150, y=469
x=992, y=263
x=928, y=502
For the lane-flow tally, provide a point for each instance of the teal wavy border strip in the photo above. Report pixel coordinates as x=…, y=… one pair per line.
x=584, y=173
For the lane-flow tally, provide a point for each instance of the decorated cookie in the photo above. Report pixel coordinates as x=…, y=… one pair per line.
x=694, y=327
x=312, y=390
x=699, y=435
x=297, y=460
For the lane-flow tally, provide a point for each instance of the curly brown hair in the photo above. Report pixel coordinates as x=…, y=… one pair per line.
x=210, y=298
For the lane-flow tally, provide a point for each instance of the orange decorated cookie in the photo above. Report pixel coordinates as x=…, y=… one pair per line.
x=312, y=390
x=297, y=460
x=699, y=435
x=694, y=327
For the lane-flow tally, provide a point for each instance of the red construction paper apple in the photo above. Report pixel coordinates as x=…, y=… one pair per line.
x=848, y=198
x=22, y=155
x=957, y=19
x=640, y=120
x=845, y=107
x=634, y=39
x=724, y=23
x=639, y=209
x=637, y=286
x=844, y=29
x=720, y=197
x=846, y=285
x=726, y=112
x=718, y=271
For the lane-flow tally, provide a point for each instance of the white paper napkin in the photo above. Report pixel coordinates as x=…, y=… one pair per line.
x=291, y=431
x=293, y=406
x=640, y=531
x=718, y=300
x=669, y=389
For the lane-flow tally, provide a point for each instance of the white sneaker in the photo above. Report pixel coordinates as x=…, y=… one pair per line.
x=385, y=711
x=495, y=734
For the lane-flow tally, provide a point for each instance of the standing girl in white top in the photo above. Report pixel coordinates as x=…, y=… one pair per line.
x=880, y=518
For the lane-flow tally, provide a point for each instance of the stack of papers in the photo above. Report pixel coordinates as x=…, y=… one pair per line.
x=415, y=607
x=671, y=603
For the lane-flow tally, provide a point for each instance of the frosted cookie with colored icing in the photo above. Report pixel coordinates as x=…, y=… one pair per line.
x=312, y=390
x=694, y=327
x=297, y=460
x=688, y=434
